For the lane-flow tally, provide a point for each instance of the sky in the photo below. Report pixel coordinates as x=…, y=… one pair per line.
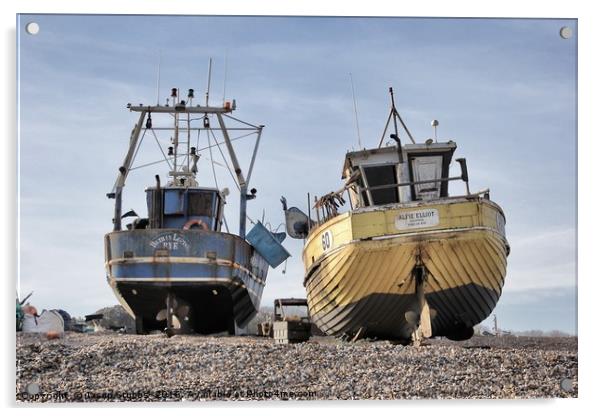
x=504, y=90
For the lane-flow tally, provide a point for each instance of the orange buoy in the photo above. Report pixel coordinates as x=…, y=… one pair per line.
x=196, y=222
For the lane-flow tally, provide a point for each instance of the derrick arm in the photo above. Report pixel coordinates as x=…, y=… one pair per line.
x=124, y=170
x=239, y=176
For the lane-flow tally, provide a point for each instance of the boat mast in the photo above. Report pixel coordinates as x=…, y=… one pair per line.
x=175, y=110
x=175, y=95
x=242, y=183
x=178, y=107
x=393, y=114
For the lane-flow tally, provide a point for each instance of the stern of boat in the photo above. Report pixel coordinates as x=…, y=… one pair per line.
x=210, y=281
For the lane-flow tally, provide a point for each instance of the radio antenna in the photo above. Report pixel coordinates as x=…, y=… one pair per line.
x=159, y=77
x=357, y=123
x=208, y=84
x=225, y=76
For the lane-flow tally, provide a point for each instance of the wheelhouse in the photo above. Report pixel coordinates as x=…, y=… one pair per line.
x=398, y=174
x=179, y=207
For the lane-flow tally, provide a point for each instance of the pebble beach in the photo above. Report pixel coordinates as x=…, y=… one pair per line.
x=112, y=367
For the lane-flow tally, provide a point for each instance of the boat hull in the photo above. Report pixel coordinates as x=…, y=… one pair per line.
x=365, y=282
x=216, y=279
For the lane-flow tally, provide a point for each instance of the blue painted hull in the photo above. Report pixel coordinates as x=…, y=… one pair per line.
x=218, y=276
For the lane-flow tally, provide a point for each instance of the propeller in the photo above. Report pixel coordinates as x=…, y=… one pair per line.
x=175, y=316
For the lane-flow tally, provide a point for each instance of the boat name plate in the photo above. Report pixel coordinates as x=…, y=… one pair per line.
x=417, y=219
x=170, y=241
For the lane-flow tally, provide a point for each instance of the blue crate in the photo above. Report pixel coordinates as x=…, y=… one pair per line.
x=268, y=244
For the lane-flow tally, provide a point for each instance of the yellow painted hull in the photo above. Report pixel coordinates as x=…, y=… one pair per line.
x=359, y=268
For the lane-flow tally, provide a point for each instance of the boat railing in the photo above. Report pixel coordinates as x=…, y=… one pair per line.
x=326, y=207
x=463, y=177
x=402, y=184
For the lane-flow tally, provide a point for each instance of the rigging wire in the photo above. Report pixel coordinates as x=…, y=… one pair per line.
x=133, y=158
x=160, y=148
x=233, y=139
x=225, y=161
x=212, y=166
x=357, y=122
x=139, y=144
x=214, y=175
x=229, y=170
x=199, y=149
x=239, y=120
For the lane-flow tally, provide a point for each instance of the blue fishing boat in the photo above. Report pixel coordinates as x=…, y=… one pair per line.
x=176, y=269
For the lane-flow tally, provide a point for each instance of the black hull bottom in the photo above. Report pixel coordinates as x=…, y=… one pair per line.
x=453, y=314
x=199, y=308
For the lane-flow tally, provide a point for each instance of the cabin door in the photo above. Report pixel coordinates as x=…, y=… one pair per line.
x=425, y=168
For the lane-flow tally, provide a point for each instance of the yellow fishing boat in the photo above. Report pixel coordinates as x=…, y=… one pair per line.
x=408, y=261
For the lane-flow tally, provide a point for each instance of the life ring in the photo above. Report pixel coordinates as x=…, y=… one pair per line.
x=194, y=222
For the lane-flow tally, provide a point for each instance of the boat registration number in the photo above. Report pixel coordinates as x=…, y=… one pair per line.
x=327, y=240
x=417, y=219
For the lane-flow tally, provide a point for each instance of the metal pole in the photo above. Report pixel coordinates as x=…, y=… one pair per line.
x=397, y=185
x=405, y=127
x=397, y=116
x=159, y=78
x=208, y=84
x=243, y=212
x=393, y=110
x=124, y=169
x=239, y=175
x=225, y=77
x=385, y=130
x=254, y=154
x=235, y=164
x=172, y=110
x=308, y=214
x=317, y=209
x=117, y=214
x=175, y=144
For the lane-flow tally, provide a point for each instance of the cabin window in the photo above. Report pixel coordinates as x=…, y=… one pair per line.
x=174, y=202
x=423, y=169
x=200, y=204
x=382, y=175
